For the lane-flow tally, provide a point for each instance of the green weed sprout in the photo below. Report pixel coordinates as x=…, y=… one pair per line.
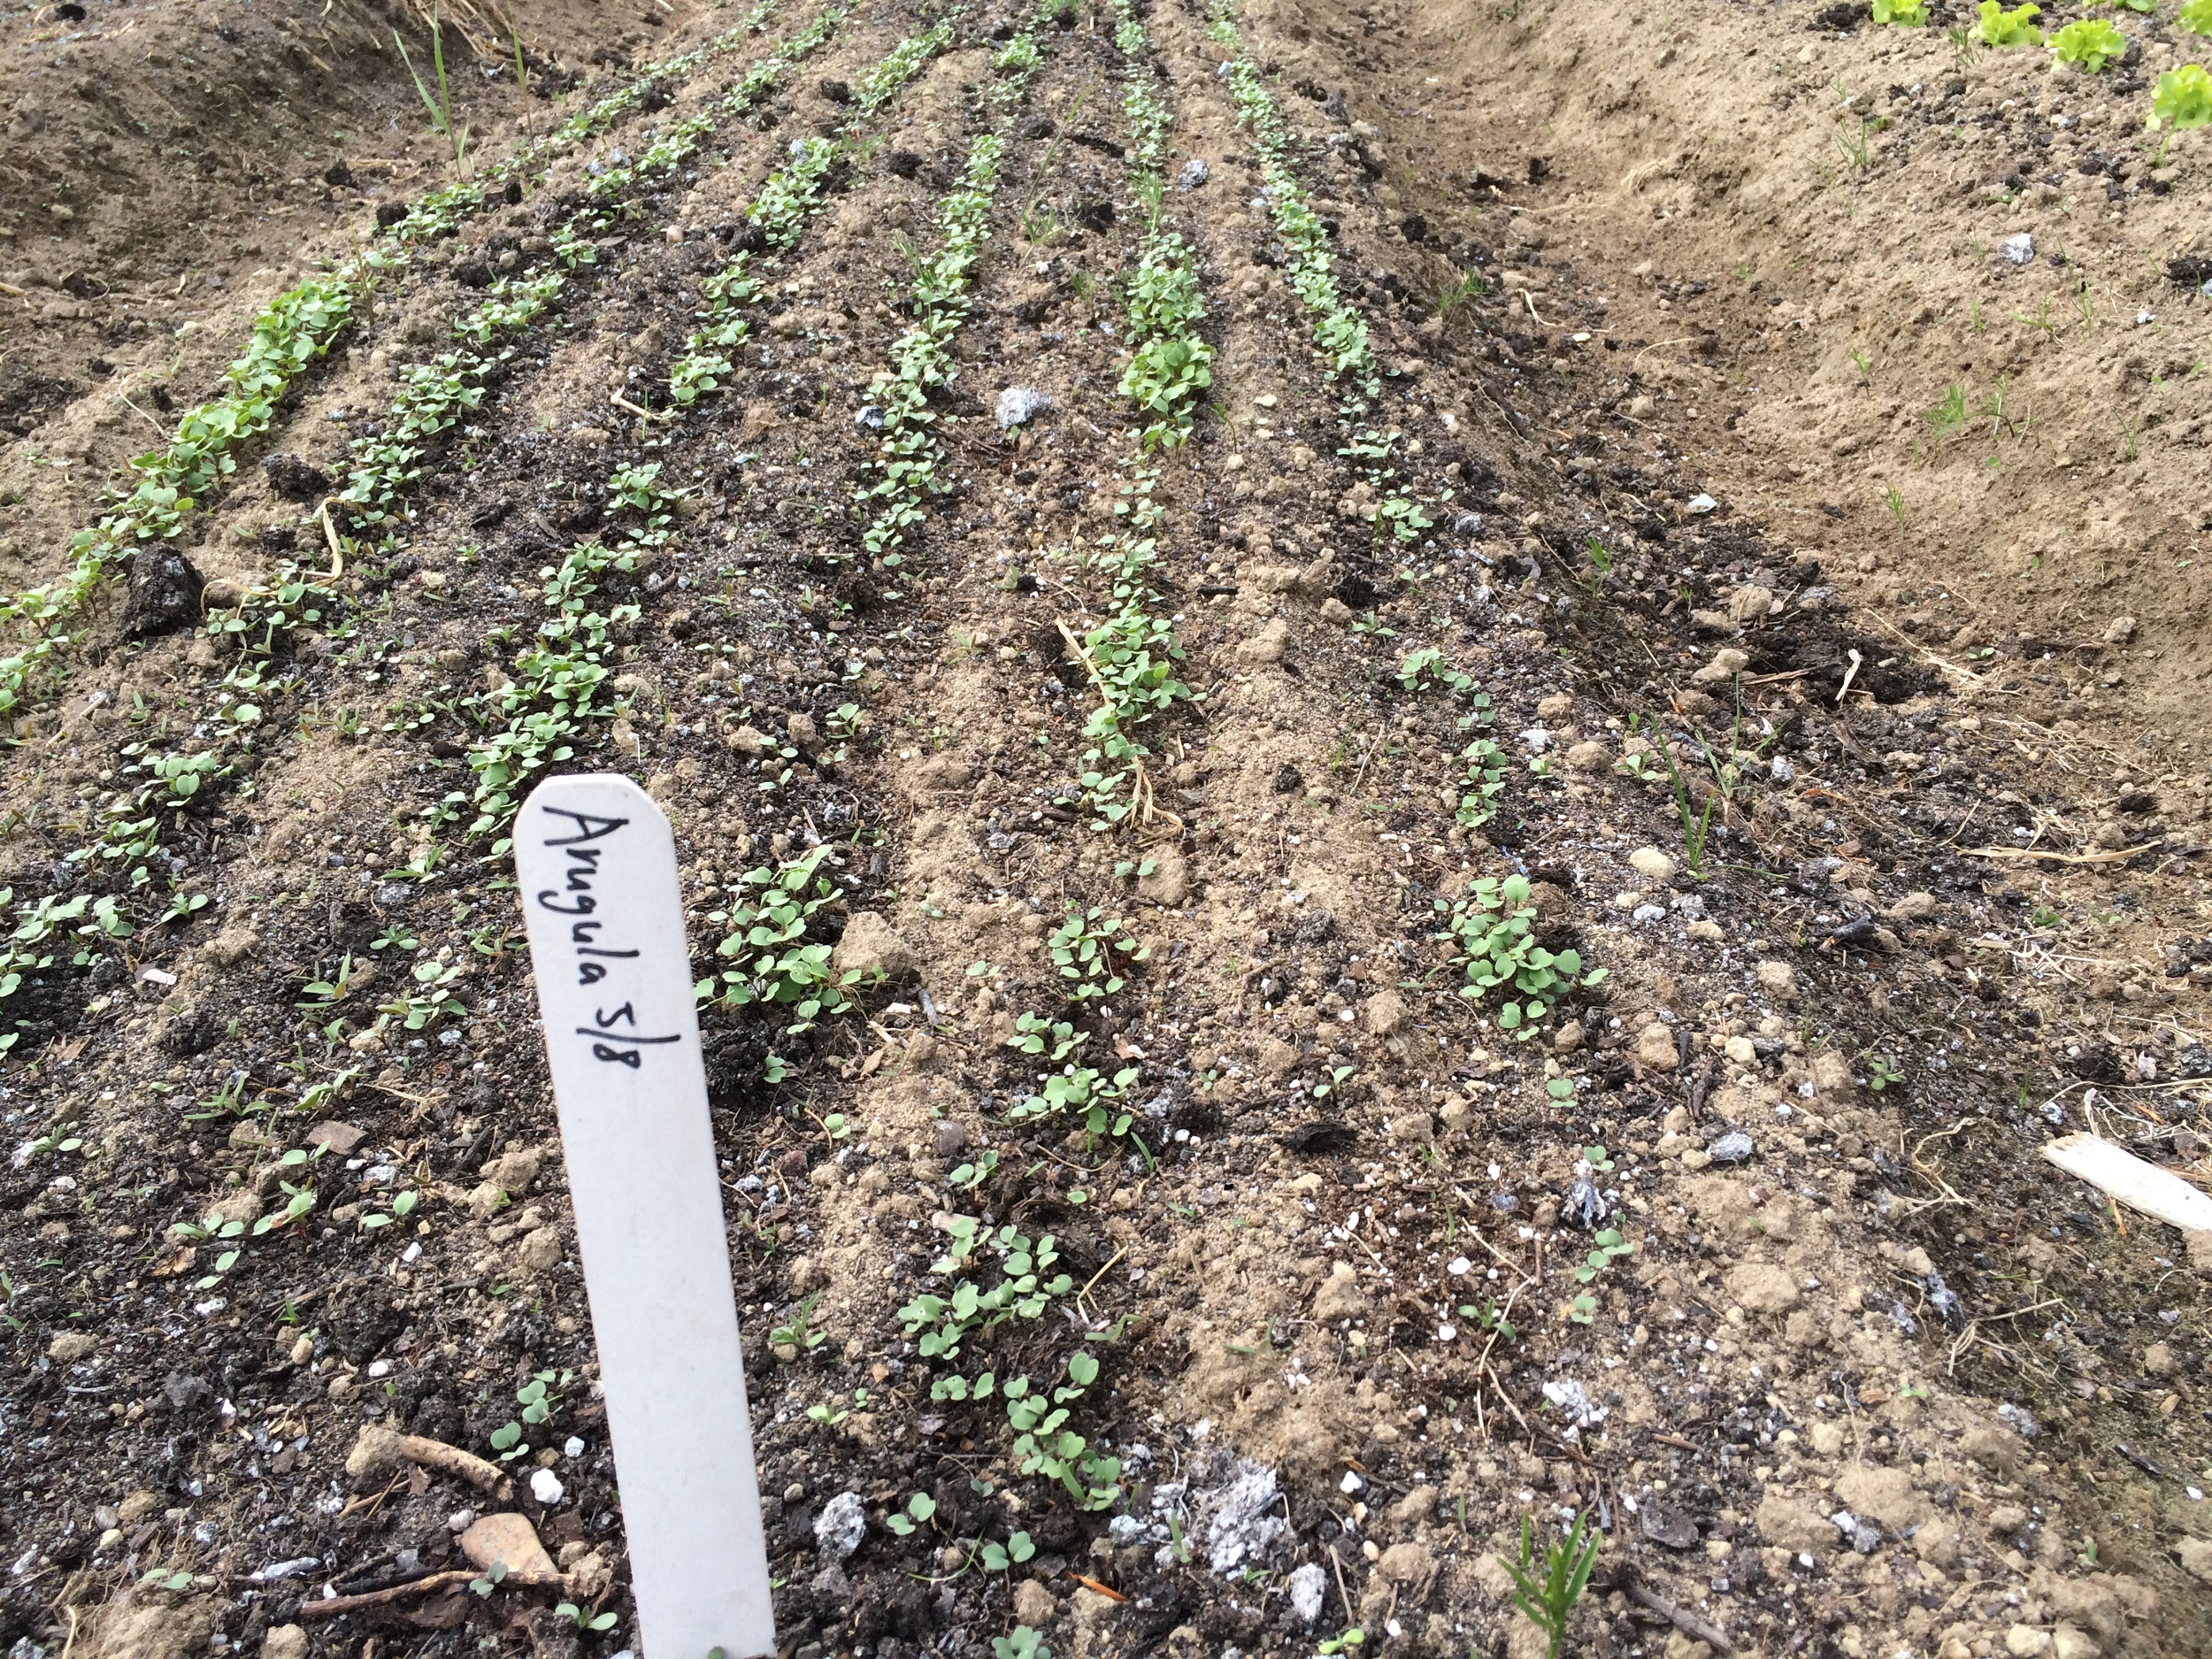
x=441, y=108
x=2015, y=27
x=2196, y=16
x=2182, y=99
x=1025, y=1643
x=2091, y=42
x=1908, y=14
x=586, y=1621
x=1566, y=1566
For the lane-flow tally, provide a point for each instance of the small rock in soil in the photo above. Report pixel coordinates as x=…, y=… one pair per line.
x=1732, y=1148
x=1321, y=1137
x=1779, y=980
x=166, y=590
x=1017, y=405
x=1665, y=1525
x=508, y=1540
x=1727, y=663
x=1572, y=1401
x=1308, y=1588
x=840, y=1526
x=294, y=479
x=1244, y=1520
x=2017, y=249
x=1192, y=175
x=1340, y=1296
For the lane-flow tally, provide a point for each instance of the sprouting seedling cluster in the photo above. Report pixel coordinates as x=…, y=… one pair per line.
x=1016, y=1284
x=2090, y=43
x=2182, y=99
x=1493, y=927
x=1998, y=28
x=1484, y=759
x=773, y=965
x=1169, y=366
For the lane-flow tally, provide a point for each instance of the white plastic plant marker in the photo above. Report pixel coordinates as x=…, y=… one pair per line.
x=2114, y=1170
x=596, y=866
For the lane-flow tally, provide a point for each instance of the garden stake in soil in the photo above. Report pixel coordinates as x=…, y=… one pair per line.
x=596, y=866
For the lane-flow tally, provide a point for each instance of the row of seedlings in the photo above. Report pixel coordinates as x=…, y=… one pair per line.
x=1491, y=925
x=1368, y=443
x=557, y=685
x=899, y=401
x=289, y=335
x=171, y=772
x=438, y=394
x=990, y=1274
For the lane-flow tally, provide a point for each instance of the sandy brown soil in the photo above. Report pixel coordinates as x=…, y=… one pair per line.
x=1881, y=827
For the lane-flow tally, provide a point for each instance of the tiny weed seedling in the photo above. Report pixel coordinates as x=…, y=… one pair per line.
x=1551, y=1601
x=586, y=1621
x=1949, y=416
x=1458, y=292
x=919, y=1509
x=1350, y=1642
x=1489, y=1318
x=1025, y=1643
x=2090, y=43
x=1695, y=828
x=793, y=1332
x=1882, y=1073
x=2182, y=99
x=441, y=108
x=1856, y=148
x=1998, y=28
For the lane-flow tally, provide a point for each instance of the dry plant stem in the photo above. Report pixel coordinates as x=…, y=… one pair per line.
x=1340, y=1590
x=1688, y=1623
x=334, y=1606
x=451, y=1460
x=2113, y=856
x=337, y=549
x=467, y=18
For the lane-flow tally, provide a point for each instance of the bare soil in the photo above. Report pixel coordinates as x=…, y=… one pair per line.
x=1885, y=901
